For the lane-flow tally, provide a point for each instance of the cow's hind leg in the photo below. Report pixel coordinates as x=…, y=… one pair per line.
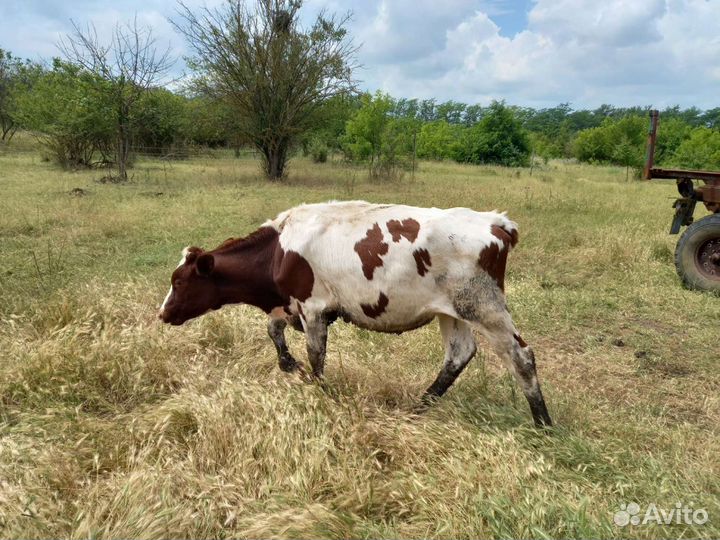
x=316, y=330
x=276, y=331
x=520, y=360
x=459, y=350
x=483, y=303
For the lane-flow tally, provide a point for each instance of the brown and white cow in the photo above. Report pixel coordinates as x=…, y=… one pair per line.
x=383, y=267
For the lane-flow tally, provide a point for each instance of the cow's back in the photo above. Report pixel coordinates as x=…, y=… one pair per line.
x=388, y=267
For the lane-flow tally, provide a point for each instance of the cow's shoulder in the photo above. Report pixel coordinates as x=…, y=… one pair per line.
x=292, y=274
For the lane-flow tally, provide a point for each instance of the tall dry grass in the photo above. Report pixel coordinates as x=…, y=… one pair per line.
x=114, y=426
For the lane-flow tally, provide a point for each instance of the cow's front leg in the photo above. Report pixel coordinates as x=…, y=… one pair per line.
x=316, y=336
x=276, y=331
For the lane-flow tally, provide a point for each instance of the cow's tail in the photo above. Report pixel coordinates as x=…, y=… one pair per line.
x=509, y=228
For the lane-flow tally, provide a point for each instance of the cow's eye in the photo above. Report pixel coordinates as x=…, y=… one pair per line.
x=178, y=283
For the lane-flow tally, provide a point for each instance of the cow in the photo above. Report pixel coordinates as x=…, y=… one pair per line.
x=383, y=267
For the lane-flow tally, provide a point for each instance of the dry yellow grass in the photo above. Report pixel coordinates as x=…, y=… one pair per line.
x=112, y=426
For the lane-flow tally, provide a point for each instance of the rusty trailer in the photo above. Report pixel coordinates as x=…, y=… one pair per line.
x=697, y=255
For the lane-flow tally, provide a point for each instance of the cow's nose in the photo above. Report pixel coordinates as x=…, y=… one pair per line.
x=160, y=315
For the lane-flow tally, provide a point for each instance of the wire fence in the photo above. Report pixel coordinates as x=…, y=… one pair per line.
x=157, y=152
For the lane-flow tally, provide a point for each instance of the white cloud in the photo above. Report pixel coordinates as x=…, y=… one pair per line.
x=586, y=52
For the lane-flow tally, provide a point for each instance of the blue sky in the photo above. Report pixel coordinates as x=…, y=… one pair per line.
x=528, y=52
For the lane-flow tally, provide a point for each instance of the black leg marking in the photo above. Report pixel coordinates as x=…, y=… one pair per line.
x=459, y=350
x=479, y=300
x=316, y=336
x=276, y=331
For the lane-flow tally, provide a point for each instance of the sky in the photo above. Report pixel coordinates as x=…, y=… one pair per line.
x=536, y=53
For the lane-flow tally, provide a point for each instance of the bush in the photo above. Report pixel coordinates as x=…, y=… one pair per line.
x=700, y=151
x=72, y=119
x=318, y=151
x=439, y=140
x=617, y=141
x=498, y=138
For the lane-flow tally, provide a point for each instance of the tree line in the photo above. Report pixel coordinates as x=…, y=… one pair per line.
x=263, y=81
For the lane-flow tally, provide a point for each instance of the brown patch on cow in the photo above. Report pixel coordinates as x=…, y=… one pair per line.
x=408, y=228
x=520, y=340
x=422, y=260
x=510, y=237
x=374, y=311
x=493, y=258
x=293, y=275
x=370, y=250
x=514, y=237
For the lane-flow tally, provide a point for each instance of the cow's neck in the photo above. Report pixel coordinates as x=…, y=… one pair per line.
x=245, y=271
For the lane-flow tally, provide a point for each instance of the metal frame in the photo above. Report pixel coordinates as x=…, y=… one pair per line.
x=708, y=194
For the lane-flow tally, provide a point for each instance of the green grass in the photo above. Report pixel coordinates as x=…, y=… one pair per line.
x=114, y=426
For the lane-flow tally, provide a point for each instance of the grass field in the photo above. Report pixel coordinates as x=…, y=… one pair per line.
x=114, y=426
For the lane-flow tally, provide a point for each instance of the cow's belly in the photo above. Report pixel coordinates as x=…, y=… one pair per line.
x=387, y=324
x=391, y=307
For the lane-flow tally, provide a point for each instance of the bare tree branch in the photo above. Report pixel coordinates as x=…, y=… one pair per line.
x=273, y=72
x=129, y=65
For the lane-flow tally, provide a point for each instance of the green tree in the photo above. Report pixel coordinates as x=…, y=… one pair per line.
x=273, y=72
x=593, y=144
x=364, y=131
x=671, y=133
x=376, y=136
x=451, y=111
x=498, y=138
x=71, y=118
x=158, y=122
x=711, y=118
x=328, y=125
x=699, y=151
x=209, y=122
x=617, y=140
x=439, y=140
x=16, y=79
x=124, y=68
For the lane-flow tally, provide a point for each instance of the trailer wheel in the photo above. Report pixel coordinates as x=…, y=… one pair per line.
x=697, y=256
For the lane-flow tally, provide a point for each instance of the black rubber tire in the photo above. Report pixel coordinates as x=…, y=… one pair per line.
x=686, y=254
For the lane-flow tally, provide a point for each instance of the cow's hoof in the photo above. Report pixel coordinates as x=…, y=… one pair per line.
x=288, y=364
x=427, y=401
x=545, y=425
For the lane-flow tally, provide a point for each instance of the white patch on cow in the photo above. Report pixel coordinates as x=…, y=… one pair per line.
x=326, y=234
x=185, y=252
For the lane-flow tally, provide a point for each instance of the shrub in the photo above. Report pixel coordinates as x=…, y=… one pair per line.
x=498, y=138
x=700, y=151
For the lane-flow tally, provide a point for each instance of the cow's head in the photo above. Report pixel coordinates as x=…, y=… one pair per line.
x=193, y=291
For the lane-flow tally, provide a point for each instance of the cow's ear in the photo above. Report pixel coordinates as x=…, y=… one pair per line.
x=205, y=264
x=190, y=253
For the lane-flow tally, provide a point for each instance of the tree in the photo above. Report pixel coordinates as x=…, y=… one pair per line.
x=70, y=118
x=274, y=73
x=700, y=151
x=451, y=111
x=497, y=138
x=439, y=140
x=473, y=114
x=328, y=126
x=671, y=133
x=618, y=140
x=364, y=131
x=158, y=122
x=125, y=68
x=16, y=78
x=711, y=118
x=593, y=145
